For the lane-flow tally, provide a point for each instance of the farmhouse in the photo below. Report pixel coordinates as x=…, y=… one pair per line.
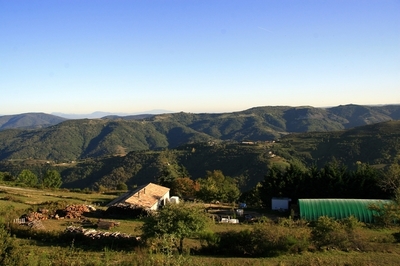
x=312, y=209
x=147, y=197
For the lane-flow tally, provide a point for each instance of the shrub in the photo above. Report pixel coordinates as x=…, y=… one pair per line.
x=263, y=240
x=340, y=234
x=386, y=214
x=276, y=240
x=328, y=232
x=122, y=186
x=209, y=240
x=235, y=243
x=8, y=249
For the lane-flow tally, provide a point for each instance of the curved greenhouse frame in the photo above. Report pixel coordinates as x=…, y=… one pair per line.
x=312, y=209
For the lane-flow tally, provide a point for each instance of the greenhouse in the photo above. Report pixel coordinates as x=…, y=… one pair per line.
x=312, y=209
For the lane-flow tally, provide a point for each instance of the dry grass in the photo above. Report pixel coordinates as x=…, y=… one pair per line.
x=38, y=196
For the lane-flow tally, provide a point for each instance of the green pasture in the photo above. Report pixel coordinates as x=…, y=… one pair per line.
x=382, y=245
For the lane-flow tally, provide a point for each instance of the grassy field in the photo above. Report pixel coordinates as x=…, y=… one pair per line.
x=36, y=196
x=55, y=255
x=381, y=246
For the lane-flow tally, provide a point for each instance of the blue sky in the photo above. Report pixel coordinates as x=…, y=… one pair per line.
x=196, y=55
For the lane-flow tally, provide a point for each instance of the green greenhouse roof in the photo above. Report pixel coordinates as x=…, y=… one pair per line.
x=312, y=209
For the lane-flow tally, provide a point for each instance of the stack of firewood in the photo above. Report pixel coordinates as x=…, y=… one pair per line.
x=72, y=211
x=34, y=216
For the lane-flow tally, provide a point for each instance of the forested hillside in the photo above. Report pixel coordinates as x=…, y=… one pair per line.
x=93, y=138
x=96, y=153
x=376, y=145
x=373, y=144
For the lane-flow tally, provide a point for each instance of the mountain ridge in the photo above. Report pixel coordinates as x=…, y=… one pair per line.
x=114, y=135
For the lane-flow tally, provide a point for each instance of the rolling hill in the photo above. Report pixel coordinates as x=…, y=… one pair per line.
x=377, y=145
x=29, y=121
x=93, y=138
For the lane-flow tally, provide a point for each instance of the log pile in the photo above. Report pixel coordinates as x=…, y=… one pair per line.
x=94, y=234
x=72, y=211
x=34, y=216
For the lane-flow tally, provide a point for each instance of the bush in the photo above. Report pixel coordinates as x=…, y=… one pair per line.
x=209, y=240
x=264, y=240
x=234, y=243
x=386, y=214
x=337, y=234
x=276, y=240
x=9, y=254
x=122, y=186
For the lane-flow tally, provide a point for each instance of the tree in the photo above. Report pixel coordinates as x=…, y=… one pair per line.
x=52, y=179
x=389, y=213
x=6, y=176
x=28, y=178
x=390, y=182
x=178, y=221
x=170, y=170
x=272, y=185
x=364, y=183
x=122, y=186
x=252, y=197
x=216, y=186
x=184, y=187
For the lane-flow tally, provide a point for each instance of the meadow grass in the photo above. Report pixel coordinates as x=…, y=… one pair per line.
x=380, y=246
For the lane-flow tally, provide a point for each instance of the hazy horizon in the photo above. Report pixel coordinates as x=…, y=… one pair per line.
x=200, y=56
x=100, y=114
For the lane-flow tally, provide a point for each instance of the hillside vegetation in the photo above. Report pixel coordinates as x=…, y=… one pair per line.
x=92, y=138
x=377, y=145
x=103, y=153
x=373, y=144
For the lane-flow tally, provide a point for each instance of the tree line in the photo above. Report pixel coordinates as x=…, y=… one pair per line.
x=334, y=180
x=295, y=181
x=50, y=179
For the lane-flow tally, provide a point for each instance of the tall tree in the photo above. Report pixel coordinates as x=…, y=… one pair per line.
x=364, y=183
x=28, y=178
x=272, y=185
x=216, y=186
x=52, y=179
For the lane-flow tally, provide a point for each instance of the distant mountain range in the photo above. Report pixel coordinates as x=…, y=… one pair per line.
x=41, y=120
x=54, y=138
x=105, y=114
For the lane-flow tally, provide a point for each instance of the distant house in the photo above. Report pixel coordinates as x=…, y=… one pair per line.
x=148, y=197
x=248, y=143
